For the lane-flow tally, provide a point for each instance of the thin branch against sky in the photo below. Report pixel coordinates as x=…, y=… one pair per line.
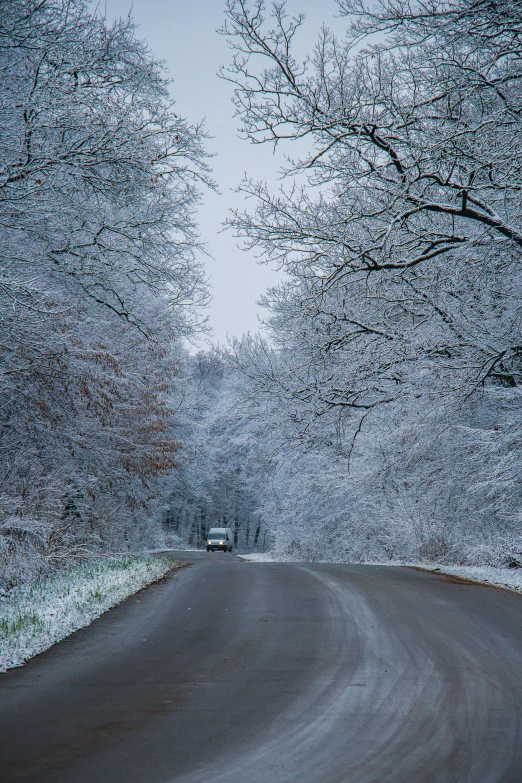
x=184, y=36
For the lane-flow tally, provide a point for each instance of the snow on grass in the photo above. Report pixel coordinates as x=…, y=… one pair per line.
x=508, y=578
x=511, y=578
x=36, y=616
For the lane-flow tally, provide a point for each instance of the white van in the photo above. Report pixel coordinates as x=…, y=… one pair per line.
x=220, y=538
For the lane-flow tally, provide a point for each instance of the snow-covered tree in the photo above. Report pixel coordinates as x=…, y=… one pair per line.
x=394, y=371
x=99, y=276
x=222, y=478
x=404, y=239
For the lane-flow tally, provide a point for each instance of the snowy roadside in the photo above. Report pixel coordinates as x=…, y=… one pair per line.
x=509, y=578
x=36, y=616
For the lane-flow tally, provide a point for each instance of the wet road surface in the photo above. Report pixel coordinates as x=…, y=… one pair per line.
x=237, y=672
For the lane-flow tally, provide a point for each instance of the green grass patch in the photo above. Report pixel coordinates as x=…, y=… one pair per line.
x=36, y=616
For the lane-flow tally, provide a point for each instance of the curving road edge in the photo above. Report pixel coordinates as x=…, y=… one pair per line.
x=237, y=672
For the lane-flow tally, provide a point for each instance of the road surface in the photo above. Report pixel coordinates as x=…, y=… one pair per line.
x=237, y=672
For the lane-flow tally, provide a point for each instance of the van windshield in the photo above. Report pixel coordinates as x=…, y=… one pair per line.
x=216, y=536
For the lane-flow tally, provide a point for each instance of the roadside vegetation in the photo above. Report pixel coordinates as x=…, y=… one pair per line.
x=379, y=418
x=100, y=283
x=385, y=403
x=35, y=616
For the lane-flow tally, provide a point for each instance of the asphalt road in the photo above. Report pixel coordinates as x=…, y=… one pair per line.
x=235, y=672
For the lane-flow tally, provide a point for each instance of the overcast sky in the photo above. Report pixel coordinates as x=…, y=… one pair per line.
x=183, y=33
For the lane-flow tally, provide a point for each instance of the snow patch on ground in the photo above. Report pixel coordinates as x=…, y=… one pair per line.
x=510, y=578
x=260, y=557
x=36, y=616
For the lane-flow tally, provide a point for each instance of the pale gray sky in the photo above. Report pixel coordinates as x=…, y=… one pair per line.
x=182, y=32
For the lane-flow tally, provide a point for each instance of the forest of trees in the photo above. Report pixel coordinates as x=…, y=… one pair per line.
x=393, y=380
x=99, y=282
x=378, y=416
